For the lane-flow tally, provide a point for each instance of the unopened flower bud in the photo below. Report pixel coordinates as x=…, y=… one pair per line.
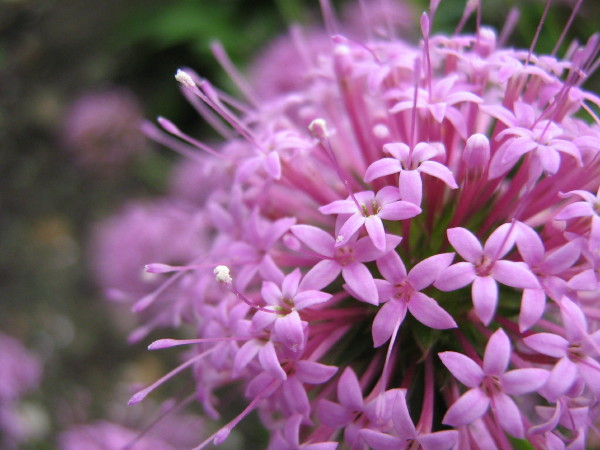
x=476, y=155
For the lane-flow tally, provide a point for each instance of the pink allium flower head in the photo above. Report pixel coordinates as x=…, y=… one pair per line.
x=454, y=180
x=102, y=130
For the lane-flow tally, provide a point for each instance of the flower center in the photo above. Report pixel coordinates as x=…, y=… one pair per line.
x=575, y=352
x=491, y=385
x=370, y=209
x=344, y=255
x=484, y=268
x=404, y=291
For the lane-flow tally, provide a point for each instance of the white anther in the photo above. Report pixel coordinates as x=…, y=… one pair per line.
x=339, y=239
x=184, y=78
x=318, y=128
x=222, y=274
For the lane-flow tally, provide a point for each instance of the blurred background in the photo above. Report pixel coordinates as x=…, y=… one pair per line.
x=76, y=79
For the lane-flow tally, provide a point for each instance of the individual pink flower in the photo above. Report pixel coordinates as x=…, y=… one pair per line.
x=349, y=260
x=410, y=165
x=577, y=352
x=484, y=268
x=401, y=293
x=490, y=386
x=368, y=209
x=588, y=207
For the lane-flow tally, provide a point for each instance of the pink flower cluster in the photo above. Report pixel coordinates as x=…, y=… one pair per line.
x=406, y=247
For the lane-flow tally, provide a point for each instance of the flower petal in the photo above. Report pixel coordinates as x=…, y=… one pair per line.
x=315, y=238
x=455, y=277
x=463, y=368
x=321, y=275
x=349, y=392
x=509, y=415
x=440, y=171
x=401, y=417
x=411, y=186
x=380, y=441
x=485, y=297
x=497, y=353
x=392, y=268
x=427, y=311
x=515, y=274
x=471, y=406
x=381, y=168
x=428, y=270
x=466, y=244
x=314, y=373
x=440, y=440
x=360, y=280
x=386, y=321
x=523, y=381
x=376, y=232
x=288, y=330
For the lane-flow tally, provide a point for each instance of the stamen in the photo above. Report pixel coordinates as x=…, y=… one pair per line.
x=537, y=31
x=168, y=343
x=318, y=128
x=147, y=300
x=221, y=55
x=469, y=8
x=566, y=28
x=509, y=25
x=174, y=130
x=152, y=132
x=222, y=275
x=329, y=17
x=141, y=395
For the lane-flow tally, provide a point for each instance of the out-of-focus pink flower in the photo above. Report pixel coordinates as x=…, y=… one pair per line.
x=101, y=130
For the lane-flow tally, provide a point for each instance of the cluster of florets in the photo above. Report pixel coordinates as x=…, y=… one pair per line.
x=406, y=247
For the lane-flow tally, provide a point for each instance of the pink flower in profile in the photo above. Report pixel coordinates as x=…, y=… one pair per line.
x=490, y=386
x=484, y=268
x=401, y=292
x=368, y=209
x=589, y=206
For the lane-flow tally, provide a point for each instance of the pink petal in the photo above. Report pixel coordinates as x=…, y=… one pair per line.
x=424, y=151
x=455, y=277
x=272, y=165
x=435, y=169
x=589, y=369
x=295, y=396
x=548, y=344
x=288, y=330
x=529, y=244
x=560, y=380
x=321, y=275
x=351, y=226
x=271, y=293
x=515, y=274
x=411, y=186
x=398, y=150
x=523, y=381
x=360, y=280
x=440, y=440
x=509, y=415
x=381, y=168
x=339, y=207
x=466, y=244
x=399, y=210
x=269, y=362
x=533, y=305
x=315, y=238
x=333, y=415
x=500, y=241
x=401, y=417
x=289, y=287
x=380, y=441
x=306, y=299
x=584, y=281
x=463, y=368
x=427, y=311
x=428, y=270
x=386, y=320
x=349, y=391
x=485, y=297
x=244, y=355
x=291, y=430
x=314, y=373
x=375, y=230
x=392, y=268
x=471, y=406
x=574, y=320
x=497, y=353
x=577, y=209
x=387, y=195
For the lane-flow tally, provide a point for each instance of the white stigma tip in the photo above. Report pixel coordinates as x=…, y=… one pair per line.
x=318, y=128
x=222, y=274
x=184, y=78
x=339, y=239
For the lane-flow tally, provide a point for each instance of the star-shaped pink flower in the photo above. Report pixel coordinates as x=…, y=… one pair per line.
x=491, y=385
